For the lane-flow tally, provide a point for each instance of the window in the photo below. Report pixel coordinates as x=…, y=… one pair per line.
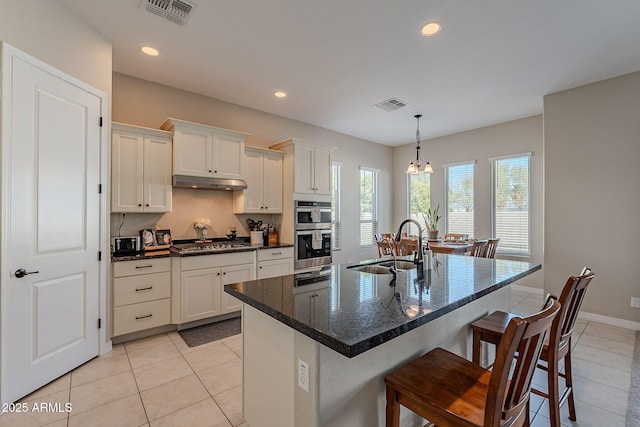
x=510, y=204
x=368, y=206
x=419, y=191
x=459, y=198
x=336, y=224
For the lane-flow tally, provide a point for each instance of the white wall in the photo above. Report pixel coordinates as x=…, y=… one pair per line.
x=592, y=195
x=47, y=31
x=144, y=103
x=518, y=136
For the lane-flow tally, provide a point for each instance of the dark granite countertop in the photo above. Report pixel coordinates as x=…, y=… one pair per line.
x=355, y=311
x=174, y=253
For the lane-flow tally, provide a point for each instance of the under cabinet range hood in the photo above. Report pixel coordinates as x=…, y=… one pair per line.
x=206, y=183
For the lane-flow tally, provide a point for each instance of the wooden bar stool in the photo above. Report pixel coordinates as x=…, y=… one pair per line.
x=448, y=390
x=558, y=346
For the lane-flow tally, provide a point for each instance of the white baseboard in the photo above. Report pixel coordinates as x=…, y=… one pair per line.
x=607, y=320
x=529, y=289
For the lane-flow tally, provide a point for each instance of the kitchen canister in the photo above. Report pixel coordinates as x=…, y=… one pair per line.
x=257, y=238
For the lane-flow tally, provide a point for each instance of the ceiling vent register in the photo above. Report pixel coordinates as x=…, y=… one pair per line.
x=391, y=104
x=177, y=11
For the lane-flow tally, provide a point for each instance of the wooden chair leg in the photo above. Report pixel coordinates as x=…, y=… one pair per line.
x=554, y=396
x=569, y=382
x=476, y=347
x=393, y=408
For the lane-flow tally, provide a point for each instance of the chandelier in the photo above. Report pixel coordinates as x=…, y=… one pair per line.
x=416, y=166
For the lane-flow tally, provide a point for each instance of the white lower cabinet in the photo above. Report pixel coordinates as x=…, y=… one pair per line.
x=275, y=262
x=202, y=280
x=141, y=295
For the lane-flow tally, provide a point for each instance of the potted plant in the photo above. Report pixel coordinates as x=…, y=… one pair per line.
x=431, y=219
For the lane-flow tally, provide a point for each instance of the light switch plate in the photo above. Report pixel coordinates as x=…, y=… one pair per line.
x=635, y=302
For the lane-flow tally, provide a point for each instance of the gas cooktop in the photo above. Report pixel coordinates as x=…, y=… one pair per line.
x=208, y=247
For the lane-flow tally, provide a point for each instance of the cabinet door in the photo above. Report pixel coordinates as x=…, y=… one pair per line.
x=228, y=157
x=253, y=175
x=157, y=175
x=126, y=172
x=192, y=152
x=322, y=167
x=199, y=294
x=234, y=274
x=272, y=183
x=304, y=169
x=275, y=268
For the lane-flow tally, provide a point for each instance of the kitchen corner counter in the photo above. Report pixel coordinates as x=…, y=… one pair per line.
x=138, y=257
x=354, y=312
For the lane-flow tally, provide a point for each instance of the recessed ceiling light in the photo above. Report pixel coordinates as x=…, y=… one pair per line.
x=279, y=94
x=149, y=50
x=431, y=28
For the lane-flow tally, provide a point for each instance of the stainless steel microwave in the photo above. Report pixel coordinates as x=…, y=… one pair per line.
x=125, y=245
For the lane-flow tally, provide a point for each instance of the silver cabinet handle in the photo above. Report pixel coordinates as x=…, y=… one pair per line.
x=144, y=317
x=144, y=266
x=276, y=253
x=144, y=289
x=21, y=272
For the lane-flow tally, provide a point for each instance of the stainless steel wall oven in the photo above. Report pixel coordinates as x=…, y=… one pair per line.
x=312, y=234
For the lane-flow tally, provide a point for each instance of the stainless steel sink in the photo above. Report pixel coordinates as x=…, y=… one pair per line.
x=373, y=269
x=400, y=265
x=384, y=267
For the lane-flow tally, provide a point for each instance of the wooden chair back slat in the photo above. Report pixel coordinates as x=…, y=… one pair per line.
x=492, y=245
x=507, y=398
x=478, y=248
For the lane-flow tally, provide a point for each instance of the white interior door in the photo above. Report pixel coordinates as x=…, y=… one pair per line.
x=52, y=172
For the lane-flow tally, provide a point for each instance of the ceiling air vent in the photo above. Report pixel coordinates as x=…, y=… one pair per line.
x=391, y=104
x=177, y=11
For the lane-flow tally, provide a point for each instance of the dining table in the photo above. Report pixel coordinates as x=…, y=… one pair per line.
x=446, y=247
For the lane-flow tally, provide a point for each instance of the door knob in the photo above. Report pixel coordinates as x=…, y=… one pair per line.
x=21, y=272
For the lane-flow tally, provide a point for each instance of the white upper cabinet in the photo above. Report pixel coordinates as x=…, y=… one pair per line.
x=263, y=174
x=311, y=166
x=140, y=169
x=201, y=150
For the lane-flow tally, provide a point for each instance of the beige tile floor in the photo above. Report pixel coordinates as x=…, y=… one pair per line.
x=160, y=381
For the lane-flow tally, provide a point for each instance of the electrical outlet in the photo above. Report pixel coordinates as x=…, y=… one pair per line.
x=303, y=375
x=635, y=302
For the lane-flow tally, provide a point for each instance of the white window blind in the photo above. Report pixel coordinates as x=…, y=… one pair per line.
x=510, y=204
x=459, y=198
x=368, y=206
x=419, y=191
x=336, y=214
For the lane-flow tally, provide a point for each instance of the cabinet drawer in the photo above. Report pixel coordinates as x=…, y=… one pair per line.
x=275, y=268
x=136, y=289
x=275, y=253
x=137, y=317
x=217, y=260
x=143, y=266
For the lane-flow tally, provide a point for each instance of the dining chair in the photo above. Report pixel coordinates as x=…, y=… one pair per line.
x=407, y=246
x=492, y=245
x=460, y=237
x=558, y=346
x=479, y=248
x=386, y=244
x=449, y=390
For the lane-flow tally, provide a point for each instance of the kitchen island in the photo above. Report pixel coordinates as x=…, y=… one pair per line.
x=318, y=345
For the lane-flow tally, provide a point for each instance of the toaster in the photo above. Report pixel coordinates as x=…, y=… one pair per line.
x=125, y=245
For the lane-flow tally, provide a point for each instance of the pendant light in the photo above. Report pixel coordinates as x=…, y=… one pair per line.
x=416, y=166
